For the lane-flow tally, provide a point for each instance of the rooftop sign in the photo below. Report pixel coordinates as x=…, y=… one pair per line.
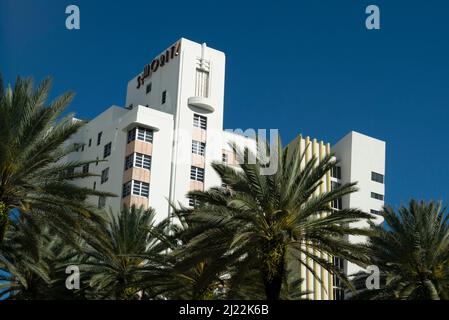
x=159, y=62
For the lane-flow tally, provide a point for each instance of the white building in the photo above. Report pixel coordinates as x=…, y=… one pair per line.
x=160, y=146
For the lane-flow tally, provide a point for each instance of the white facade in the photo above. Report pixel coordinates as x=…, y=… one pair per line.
x=178, y=99
x=161, y=145
x=362, y=157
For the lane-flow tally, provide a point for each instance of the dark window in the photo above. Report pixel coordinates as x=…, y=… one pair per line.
x=375, y=212
x=129, y=161
x=82, y=148
x=145, y=134
x=339, y=292
x=377, y=196
x=101, y=202
x=377, y=177
x=126, y=189
x=95, y=185
x=131, y=135
x=197, y=174
x=336, y=172
x=193, y=202
x=164, y=97
x=199, y=121
x=198, y=147
x=104, y=175
x=99, y=138
x=90, y=142
x=337, y=203
x=142, y=161
x=96, y=163
x=107, y=150
x=148, y=88
x=86, y=168
x=141, y=188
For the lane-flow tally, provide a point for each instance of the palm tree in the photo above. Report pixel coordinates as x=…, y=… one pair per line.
x=33, y=177
x=169, y=278
x=32, y=263
x=113, y=262
x=411, y=252
x=265, y=221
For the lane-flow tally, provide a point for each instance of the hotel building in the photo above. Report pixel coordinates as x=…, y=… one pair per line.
x=161, y=145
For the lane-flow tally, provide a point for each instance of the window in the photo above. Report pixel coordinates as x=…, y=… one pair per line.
x=197, y=174
x=145, y=134
x=148, y=90
x=164, y=97
x=82, y=148
x=377, y=177
x=96, y=163
x=339, y=292
x=131, y=135
x=101, y=202
x=377, y=196
x=193, y=202
x=199, y=121
x=104, y=175
x=86, y=168
x=90, y=143
x=107, y=150
x=142, y=161
x=336, y=172
x=198, y=147
x=337, y=203
x=224, y=158
x=126, y=189
x=141, y=188
x=202, y=83
x=376, y=212
x=99, y=138
x=129, y=161
x=138, y=160
x=95, y=185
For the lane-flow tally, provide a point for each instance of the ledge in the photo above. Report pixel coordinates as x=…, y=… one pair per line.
x=202, y=103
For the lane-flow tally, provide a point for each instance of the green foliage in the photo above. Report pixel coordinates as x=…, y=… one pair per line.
x=251, y=225
x=412, y=253
x=33, y=143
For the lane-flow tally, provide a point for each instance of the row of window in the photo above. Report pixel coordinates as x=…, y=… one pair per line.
x=137, y=188
x=138, y=160
x=99, y=136
x=377, y=177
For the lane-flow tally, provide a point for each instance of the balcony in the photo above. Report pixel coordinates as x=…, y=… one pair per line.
x=201, y=103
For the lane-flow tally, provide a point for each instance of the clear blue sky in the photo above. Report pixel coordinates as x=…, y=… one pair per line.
x=289, y=63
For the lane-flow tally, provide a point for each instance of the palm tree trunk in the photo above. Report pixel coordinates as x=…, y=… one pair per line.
x=274, y=270
x=4, y=220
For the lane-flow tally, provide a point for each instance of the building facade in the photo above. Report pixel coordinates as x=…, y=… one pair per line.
x=161, y=144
